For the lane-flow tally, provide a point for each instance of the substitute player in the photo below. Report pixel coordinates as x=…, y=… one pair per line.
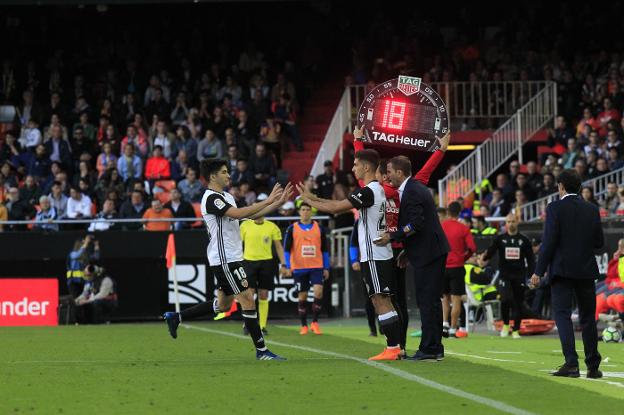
x=393, y=203
x=259, y=236
x=225, y=252
x=375, y=261
x=307, y=259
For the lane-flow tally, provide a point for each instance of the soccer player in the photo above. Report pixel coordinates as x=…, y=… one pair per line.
x=259, y=236
x=307, y=259
x=375, y=261
x=225, y=251
x=462, y=247
x=393, y=203
x=515, y=261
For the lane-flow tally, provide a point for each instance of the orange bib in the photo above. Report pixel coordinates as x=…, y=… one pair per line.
x=306, y=248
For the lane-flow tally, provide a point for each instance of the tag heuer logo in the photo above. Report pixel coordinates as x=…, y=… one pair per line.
x=408, y=84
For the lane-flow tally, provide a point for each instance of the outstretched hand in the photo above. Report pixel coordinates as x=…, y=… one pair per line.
x=444, y=141
x=276, y=193
x=303, y=192
x=358, y=133
x=286, y=194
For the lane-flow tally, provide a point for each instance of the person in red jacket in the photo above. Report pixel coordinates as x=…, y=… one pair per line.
x=610, y=292
x=392, y=219
x=462, y=247
x=157, y=166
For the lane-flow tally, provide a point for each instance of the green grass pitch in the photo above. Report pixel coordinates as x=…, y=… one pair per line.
x=139, y=369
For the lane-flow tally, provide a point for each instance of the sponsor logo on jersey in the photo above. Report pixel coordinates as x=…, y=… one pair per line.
x=512, y=253
x=219, y=204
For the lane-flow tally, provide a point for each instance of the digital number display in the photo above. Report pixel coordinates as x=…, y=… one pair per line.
x=404, y=112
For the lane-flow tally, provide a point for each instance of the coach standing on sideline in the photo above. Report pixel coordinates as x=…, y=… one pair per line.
x=571, y=233
x=426, y=248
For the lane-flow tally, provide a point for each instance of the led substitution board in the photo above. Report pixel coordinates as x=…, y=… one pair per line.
x=405, y=113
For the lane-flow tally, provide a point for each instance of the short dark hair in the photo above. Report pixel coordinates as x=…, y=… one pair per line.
x=480, y=218
x=158, y=147
x=209, y=167
x=304, y=204
x=441, y=210
x=570, y=180
x=383, y=166
x=403, y=164
x=369, y=156
x=454, y=209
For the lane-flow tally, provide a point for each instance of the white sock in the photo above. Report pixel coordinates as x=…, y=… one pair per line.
x=452, y=331
x=445, y=325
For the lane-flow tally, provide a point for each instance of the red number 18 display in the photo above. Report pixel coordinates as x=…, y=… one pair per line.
x=404, y=112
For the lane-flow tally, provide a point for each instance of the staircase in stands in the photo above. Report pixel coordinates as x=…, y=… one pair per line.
x=313, y=124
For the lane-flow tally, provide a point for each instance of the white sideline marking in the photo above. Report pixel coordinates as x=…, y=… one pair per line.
x=495, y=359
x=603, y=380
x=499, y=352
x=86, y=362
x=501, y=406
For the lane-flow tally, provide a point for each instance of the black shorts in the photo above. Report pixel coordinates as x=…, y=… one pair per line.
x=261, y=274
x=379, y=277
x=454, y=283
x=231, y=278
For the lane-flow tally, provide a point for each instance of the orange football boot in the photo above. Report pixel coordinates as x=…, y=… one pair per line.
x=388, y=354
x=304, y=330
x=315, y=328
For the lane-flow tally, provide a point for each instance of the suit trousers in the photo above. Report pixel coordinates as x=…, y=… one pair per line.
x=429, y=283
x=562, y=293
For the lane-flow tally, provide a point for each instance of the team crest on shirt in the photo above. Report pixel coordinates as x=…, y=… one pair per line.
x=244, y=283
x=219, y=204
x=266, y=240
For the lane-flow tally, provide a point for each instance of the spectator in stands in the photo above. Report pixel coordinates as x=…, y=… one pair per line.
x=534, y=178
x=594, y=144
x=106, y=159
x=189, y=144
x=282, y=86
x=133, y=208
x=247, y=193
x=45, y=216
x=242, y=173
x=287, y=209
x=162, y=137
x=18, y=209
x=615, y=163
x=140, y=144
x=514, y=169
x=561, y=134
x=580, y=166
x=85, y=172
x=11, y=149
x=522, y=183
x=58, y=200
x=219, y=122
x=157, y=166
x=180, y=112
x=588, y=195
x=180, y=166
x=88, y=129
x=325, y=181
x=129, y=164
x=209, y=147
x=31, y=135
x=521, y=200
x=39, y=165
x=30, y=191
x=569, y=157
x=157, y=106
x=285, y=115
x=498, y=206
x=4, y=214
x=157, y=212
x=481, y=227
x=78, y=205
x=506, y=189
x=614, y=141
x=548, y=186
x=55, y=121
x=262, y=166
x=246, y=133
x=588, y=119
x=610, y=200
x=270, y=136
x=601, y=168
x=180, y=208
x=192, y=190
x=58, y=148
x=232, y=157
x=619, y=210
x=108, y=212
x=608, y=114
x=235, y=192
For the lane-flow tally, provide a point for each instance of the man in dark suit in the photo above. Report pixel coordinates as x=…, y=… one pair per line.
x=571, y=233
x=426, y=248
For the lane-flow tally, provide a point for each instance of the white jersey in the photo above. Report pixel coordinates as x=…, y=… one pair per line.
x=224, y=242
x=370, y=201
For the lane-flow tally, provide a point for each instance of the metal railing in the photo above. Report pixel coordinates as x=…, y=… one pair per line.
x=340, y=123
x=536, y=209
x=506, y=141
x=339, y=254
x=472, y=100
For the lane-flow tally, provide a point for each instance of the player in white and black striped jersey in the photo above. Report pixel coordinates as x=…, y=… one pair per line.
x=375, y=261
x=225, y=254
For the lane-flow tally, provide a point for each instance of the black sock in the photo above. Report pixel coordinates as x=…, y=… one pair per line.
x=302, y=309
x=316, y=308
x=391, y=325
x=201, y=309
x=251, y=322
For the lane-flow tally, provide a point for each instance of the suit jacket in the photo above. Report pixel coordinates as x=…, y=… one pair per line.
x=571, y=233
x=426, y=241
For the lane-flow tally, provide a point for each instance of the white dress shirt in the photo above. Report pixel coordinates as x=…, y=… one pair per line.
x=402, y=188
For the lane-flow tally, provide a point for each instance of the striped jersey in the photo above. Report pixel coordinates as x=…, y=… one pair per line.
x=224, y=241
x=370, y=201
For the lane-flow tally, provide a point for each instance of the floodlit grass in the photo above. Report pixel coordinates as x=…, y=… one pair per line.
x=138, y=368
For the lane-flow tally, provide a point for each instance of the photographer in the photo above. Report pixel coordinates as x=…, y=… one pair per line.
x=84, y=251
x=98, y=298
